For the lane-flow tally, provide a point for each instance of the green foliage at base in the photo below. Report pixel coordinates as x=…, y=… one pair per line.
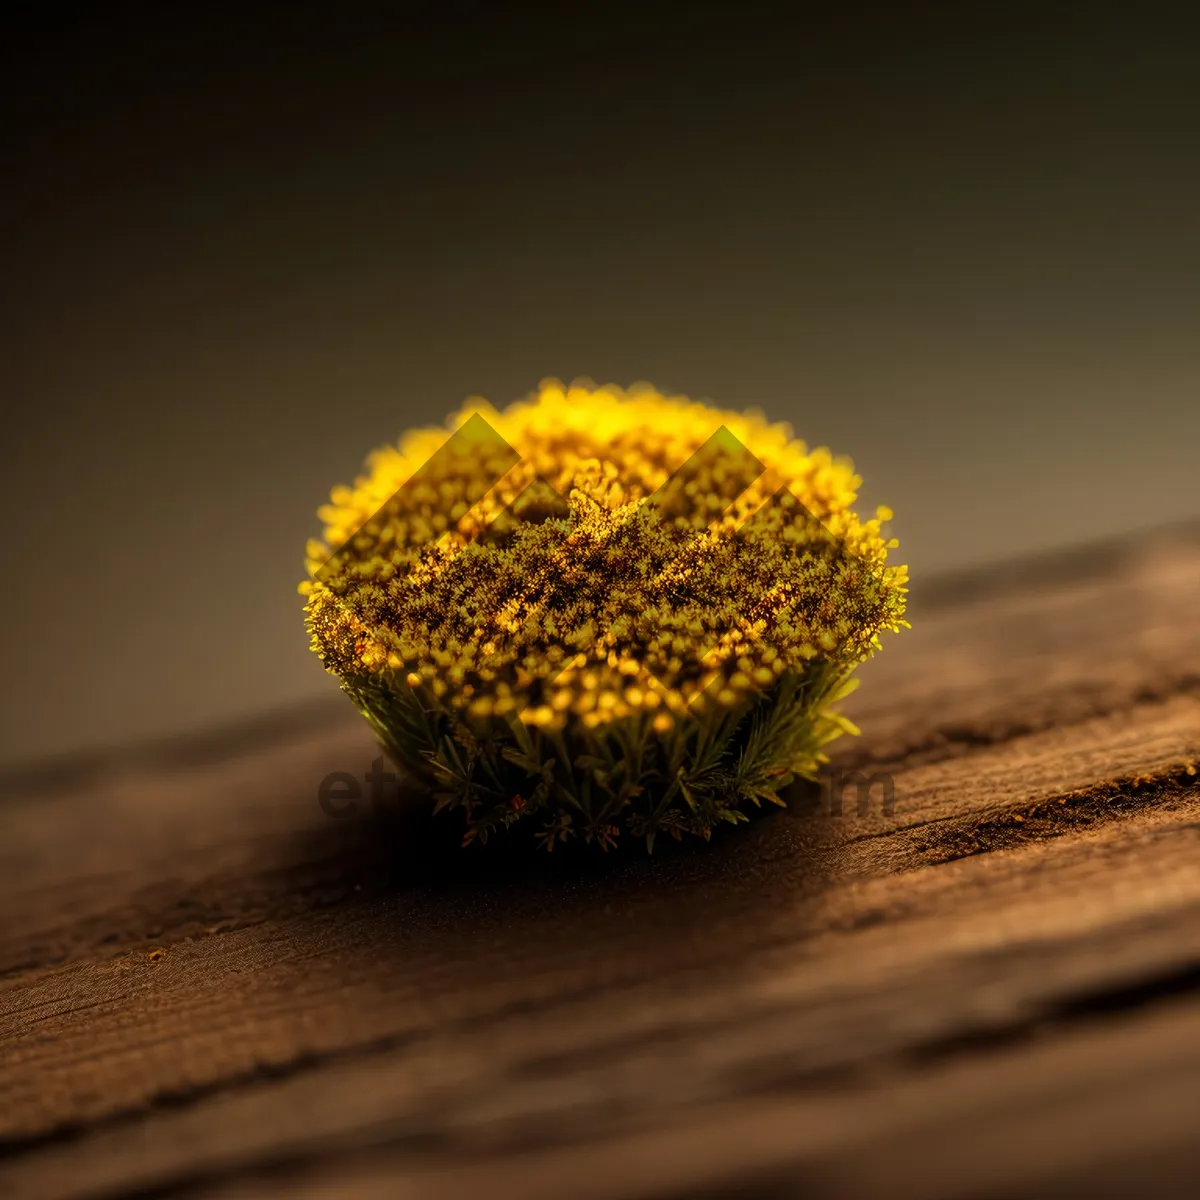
x=623, y=777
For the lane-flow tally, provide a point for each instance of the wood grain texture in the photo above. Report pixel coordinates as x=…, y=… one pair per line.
x=208, y=986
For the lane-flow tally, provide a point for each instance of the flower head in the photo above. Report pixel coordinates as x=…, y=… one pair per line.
x=599, y=608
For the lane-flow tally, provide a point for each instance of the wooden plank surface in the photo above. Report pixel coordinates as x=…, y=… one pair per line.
x=208, y=986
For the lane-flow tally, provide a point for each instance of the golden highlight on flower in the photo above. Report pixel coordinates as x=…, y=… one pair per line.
x=601, y=609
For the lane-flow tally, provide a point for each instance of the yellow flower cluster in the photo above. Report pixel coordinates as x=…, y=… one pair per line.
x=589, y=555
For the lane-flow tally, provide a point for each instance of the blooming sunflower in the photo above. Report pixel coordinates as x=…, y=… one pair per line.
x=600, y=611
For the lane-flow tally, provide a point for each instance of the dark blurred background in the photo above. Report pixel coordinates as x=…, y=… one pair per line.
x=959, y=243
